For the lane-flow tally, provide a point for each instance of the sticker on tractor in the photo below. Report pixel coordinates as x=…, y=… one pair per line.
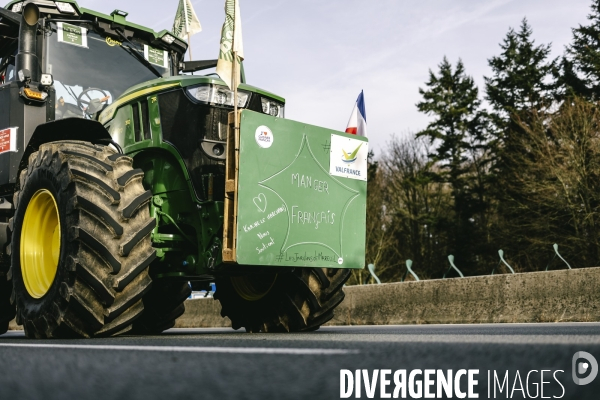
x=156, y=56
x=112, y=43
x=264, y=137
x=348, y=157
x=72, y=34
x=8, y=140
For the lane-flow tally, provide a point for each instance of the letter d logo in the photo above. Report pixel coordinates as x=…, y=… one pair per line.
x=583, y=367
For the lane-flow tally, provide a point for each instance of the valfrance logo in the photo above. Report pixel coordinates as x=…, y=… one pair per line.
x=350, y=158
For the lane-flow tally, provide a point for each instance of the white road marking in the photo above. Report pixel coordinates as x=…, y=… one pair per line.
x=186, y=349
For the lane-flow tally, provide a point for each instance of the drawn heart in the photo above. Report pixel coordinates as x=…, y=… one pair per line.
x=261, y=202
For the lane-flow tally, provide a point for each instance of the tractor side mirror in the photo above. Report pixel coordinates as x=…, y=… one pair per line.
x=193, y=66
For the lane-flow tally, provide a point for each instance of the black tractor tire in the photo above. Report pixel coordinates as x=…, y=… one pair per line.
x=105, y=247
x=299, y=301
x=7, y=310
x=163, y=304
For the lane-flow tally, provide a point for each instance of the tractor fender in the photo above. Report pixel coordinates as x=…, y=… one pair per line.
x=69, y=129
x=65, y=129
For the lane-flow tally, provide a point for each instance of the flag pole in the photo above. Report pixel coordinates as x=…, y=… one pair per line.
x=234, y=71
x=187, y=27
x=234, y=82
x=235, y=91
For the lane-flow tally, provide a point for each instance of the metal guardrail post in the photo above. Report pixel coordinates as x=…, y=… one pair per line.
x=556, y=253
x=408, y=265
x=451, y=259
x=502, y=260
x=372, y=271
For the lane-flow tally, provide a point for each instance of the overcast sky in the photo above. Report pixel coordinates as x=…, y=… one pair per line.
x=319, y=54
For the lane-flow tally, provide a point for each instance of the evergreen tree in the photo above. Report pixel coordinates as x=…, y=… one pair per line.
x=521, y=75
x=520, y=91
x=580, y=69
x=452, y=98
x=458, y=134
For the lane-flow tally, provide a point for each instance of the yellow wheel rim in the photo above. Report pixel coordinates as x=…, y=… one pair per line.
x=40, y=243
x=253, y=288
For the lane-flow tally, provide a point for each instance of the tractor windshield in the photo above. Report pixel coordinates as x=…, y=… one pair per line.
x=91, y=71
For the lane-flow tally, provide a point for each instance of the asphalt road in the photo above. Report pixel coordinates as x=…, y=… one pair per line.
x=225, y=364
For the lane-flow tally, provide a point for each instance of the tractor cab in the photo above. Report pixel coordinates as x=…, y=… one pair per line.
x=90, y=58
x=60, y=62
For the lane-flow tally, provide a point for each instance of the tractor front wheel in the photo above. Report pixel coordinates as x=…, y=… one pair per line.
x=302, y=300
x=80, y=242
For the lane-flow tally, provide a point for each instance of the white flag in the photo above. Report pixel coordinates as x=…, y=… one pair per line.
x=186, y=22
x=231, y=42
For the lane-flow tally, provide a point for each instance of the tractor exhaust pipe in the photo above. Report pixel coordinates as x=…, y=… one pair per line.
x=27, y=59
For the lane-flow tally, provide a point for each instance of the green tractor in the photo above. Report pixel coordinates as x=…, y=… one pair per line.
x=125, y=184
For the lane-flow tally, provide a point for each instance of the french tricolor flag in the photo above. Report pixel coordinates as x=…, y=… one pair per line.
x=358, y=120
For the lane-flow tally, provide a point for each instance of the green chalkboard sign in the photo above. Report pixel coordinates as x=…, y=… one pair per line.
x=301, y=194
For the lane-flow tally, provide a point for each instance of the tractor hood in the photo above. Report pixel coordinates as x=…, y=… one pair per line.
x=160, y=85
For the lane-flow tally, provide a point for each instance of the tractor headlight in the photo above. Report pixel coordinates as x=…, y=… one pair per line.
x=272, y=107
x=66, y=8
x=46, y=80
x=218, y=95
x=168, y=39
x=17, y=8
x=201, y=93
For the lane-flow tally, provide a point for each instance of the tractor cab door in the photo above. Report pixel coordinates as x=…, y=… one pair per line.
x=9, y=37
x=16, y=118
x=9, y=34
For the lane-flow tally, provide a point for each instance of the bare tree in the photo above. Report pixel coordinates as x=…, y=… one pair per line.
x=380, y=229
x=555, y=192
x=418, y=205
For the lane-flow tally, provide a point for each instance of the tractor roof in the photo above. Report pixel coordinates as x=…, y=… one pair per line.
x=9, y=23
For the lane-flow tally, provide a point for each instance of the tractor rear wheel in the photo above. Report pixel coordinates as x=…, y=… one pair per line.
x=80, y=247
x=163, y=304
x=7, y=310
x=302, y=300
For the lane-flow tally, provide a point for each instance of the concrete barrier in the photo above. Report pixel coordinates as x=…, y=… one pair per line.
x=556, y=296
